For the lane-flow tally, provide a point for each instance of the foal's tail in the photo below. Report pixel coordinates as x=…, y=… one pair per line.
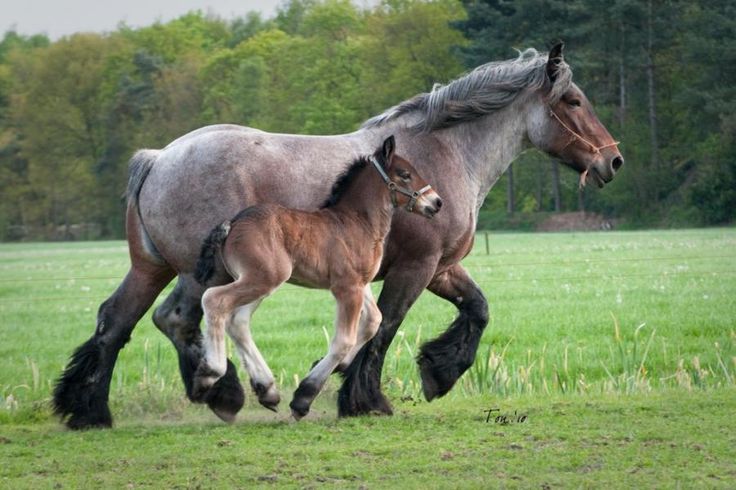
x=206, y=263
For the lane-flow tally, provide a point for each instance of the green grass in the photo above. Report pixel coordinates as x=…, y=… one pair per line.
x=609, y=340
x=667, y=439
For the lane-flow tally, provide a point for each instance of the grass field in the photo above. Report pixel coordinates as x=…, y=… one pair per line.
x=619, y=347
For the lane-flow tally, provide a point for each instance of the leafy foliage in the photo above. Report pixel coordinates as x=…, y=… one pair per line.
x=73, y=111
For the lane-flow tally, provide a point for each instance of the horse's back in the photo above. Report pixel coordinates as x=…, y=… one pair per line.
x=208, y=175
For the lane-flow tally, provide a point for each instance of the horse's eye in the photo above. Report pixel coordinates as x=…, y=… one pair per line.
x=575, y=102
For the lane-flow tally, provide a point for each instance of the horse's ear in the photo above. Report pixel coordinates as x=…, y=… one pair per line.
x=553, y=61
x=389, y=146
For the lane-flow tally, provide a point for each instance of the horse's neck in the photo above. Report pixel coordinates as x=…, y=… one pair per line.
x=367, y=198
x=488, y=145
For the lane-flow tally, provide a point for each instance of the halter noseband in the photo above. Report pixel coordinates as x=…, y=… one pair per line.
x=594, y=149
x=394, y=188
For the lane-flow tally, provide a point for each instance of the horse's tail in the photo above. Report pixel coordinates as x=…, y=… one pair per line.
x=139, y=167
x=206, y=263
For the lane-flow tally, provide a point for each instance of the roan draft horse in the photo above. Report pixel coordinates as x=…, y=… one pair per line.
x=461, y=137
x=338, y=247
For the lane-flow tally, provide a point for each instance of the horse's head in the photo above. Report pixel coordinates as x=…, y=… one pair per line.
x=408, y=188
x=564, y=125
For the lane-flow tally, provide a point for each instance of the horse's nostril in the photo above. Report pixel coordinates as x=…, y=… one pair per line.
x=438, y=203
x=616, y=163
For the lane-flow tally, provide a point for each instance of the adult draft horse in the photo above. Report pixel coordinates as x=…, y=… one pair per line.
x=461, y=137
x=338, y=247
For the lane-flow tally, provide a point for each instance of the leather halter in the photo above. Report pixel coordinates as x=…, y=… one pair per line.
x=594, y=149
x=394, y=188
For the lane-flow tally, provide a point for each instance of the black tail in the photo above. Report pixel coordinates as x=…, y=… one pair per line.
x=206, y=263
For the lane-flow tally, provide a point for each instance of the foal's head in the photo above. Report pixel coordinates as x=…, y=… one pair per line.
x=408, y=188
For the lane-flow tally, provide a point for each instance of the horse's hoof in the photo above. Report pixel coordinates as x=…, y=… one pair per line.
x=224, y=415
x=436, y=381
x=226, y=397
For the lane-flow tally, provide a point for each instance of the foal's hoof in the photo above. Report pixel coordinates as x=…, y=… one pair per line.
x=204, y=379
x=268, y=396
x=299, y=408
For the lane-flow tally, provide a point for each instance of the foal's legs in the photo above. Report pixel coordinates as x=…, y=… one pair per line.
x=349, y=303
x=361, y=389
x=370, y=320
x=261, y=377
x=219, y=303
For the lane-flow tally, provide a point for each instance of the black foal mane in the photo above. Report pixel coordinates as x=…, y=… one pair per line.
x=345, y=178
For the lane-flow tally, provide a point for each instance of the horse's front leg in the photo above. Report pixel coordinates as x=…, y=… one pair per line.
x=349, y=304
x=443, y=360
x=178, y=318
x=361, y=389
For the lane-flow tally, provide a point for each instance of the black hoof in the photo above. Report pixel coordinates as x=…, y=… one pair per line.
x=80, y=397
x=360, y=394
x=304, y=395
x=437, y=380
x=99, y=420
x=268, y=396
x=299, y=408
x=226, y=397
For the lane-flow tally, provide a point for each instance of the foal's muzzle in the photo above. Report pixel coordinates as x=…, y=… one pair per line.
x=429, y=204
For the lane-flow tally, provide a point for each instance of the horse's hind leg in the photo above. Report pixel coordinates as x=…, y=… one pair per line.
x=443, y=360
x=261, y=377
x=82, y=391
x=178, y=318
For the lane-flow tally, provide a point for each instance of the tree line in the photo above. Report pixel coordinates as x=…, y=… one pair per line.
x=660, y=73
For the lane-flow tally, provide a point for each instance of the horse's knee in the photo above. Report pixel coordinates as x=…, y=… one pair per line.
x=478, y=308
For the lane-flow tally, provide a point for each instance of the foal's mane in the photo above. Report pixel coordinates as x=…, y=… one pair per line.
x=344, y=180
x=484, y=90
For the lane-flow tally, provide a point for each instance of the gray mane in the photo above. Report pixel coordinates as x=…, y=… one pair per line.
x=486, y=89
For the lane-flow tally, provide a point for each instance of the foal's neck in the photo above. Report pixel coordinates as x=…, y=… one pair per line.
x=368, y=199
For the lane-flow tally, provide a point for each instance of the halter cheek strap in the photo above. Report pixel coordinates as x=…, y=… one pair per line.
x=394, y=188
x=593, y=148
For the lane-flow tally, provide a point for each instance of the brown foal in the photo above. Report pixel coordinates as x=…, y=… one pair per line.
x=339, y=247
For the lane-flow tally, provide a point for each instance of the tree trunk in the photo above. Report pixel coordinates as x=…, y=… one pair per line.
x=622, y=77
x=510, y=203
x=540, y=186
x=556, y=184
x=654, y=157
x=581, y=199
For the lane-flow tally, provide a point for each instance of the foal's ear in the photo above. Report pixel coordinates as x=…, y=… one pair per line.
x=389, y=146
x=553, y=61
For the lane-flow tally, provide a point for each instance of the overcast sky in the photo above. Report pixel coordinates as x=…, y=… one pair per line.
x=57, y=18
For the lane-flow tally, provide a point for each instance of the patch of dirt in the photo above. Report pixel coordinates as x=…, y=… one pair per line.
x=577, y=221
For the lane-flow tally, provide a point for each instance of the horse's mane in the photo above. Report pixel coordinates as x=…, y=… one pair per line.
x=486, y=89
x=344, y=180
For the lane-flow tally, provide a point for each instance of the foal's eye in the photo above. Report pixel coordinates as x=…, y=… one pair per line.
x=405, y=175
